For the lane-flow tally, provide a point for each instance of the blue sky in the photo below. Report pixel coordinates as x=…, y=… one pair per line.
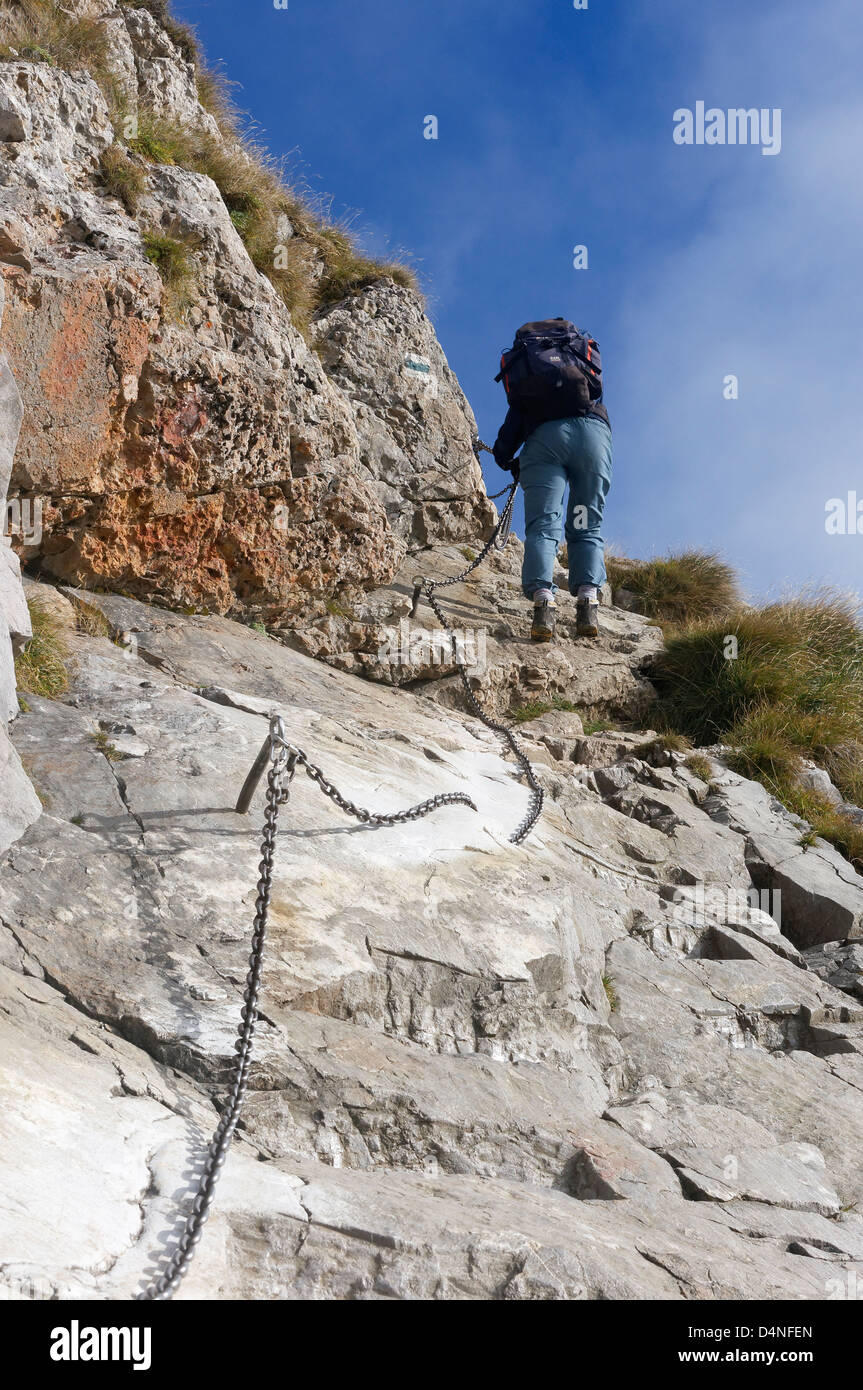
x=555, y=130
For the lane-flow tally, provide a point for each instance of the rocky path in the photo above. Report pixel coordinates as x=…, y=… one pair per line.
x=482, y=1071
x=585, y=1067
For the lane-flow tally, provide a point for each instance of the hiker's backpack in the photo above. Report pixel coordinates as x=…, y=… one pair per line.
x=551, y=371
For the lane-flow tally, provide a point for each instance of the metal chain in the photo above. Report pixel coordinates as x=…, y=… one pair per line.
x=427, y=587
x=423, y=808
x=282, y=759
x=164, y=1288
x=534, y=809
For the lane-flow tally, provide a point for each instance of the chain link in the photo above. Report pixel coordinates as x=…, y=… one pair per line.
x=165, y=1286
x=283, y=760
x=534, y=809
x=426, y=588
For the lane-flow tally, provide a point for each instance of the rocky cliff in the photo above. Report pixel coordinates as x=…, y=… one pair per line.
x=621, y=1060
x=212, y=459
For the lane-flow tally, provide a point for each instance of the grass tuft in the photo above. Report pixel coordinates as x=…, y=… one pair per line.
x=778, y=684
x=122, y=177
x=522, y=714
x=43, y=31
x=679, y=587
x=172, y=253
x=104, y=745
x=699, y=766
x=41, y=667
x=666, y=742
x=339, y=610
x=310, y=262
x=89, y=619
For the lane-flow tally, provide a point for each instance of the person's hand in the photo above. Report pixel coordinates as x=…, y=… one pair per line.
x=514, y=469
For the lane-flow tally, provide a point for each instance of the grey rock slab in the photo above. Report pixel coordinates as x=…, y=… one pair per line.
x=813, y=778
x=414, y=424
x=703, y=852
x=97, y=1148
x=20, y=806
x=838, y=963
x=787, y=1175
x=349, y=1097
x=556, y=724
x=731, y=911
x=821, y=894
x=382, y=643
x=668, y=1033
x=448, y=1023
x=746, y=973
x=8, y=684
x=13, y=603
x=53, y=601
x=566, y=1250
x=667, y=1120
x=177, y=868
x=73, y=777
x=801, y=1232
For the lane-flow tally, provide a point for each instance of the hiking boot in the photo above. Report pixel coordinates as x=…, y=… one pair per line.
x=587, y=618
x=542, y=627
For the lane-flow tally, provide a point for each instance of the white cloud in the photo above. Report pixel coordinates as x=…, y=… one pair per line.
x=769, y=288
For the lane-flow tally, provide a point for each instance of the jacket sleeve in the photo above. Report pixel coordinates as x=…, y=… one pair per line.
x=510, y=439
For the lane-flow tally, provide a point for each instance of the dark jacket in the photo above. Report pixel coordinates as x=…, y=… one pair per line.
x=516, y=428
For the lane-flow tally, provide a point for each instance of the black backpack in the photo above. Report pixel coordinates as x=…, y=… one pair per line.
x=551, y=371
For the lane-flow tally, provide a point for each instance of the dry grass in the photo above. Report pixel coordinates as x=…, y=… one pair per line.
x=665, y=742
x=41, y=668
x=678, y=588
x=522, y=714
x=172, y=252
x=89, y=619
x=122, y=177
x=699, y=766
x=105, y=746
x=311, y=261
x=788, y=688
x=611, y=993
x=42, y=31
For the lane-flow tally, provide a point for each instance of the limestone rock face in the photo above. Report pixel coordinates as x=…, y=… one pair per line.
x=621, y=1060
x=577, y=1068
x=209, y=460
x=19, y=805
x=415, y=427
x=821, y=894
x=377, y=637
